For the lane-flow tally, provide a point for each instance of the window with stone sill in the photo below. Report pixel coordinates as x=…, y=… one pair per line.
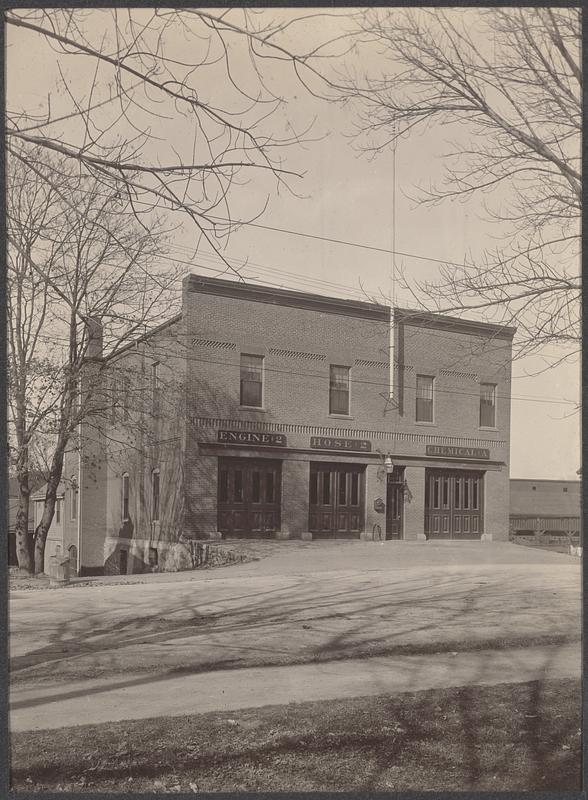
x=339, y=390
x=251, y=381
x=487, y=405
x=424, y=398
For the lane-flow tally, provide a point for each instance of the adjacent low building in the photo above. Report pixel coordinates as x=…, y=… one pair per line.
x=543, y=497
x=548, y=508
x=64, y=534
x=267, y=412
x=35, y=479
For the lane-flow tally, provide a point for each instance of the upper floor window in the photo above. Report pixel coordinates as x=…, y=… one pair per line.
x=251, y=384
x=114, y=388
x=73, y=498
x=339, y=390
x=155, y=494
x=126, y=396
x=424, y=398
x=125, y=496
x=155, y=387
x=58, y=512
x=487, y=405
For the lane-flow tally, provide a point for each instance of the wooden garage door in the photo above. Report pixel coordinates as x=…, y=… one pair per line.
x=249, y=495
x=336, y=505
x=454, y=504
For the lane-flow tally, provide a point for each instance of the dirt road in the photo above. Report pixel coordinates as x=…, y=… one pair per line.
x=227, y=621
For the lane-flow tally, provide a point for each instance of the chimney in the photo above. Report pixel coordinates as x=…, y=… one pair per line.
x=94, y=338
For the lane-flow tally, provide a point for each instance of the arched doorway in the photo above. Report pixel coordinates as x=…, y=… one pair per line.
x=72, y=552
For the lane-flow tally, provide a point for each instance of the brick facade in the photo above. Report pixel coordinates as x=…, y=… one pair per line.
x=299, y=337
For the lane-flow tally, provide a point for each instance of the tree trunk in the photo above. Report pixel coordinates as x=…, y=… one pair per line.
x=42, y=530
x=24, y=541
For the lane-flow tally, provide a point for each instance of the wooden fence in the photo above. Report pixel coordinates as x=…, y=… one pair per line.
x=554, y=533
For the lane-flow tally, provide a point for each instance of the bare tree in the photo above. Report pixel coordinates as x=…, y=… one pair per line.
x=506, y=84
x=29, y=375
x=133, y=125
x=77, y=262
x=148, y=120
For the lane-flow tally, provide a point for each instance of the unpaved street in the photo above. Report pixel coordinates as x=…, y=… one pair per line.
x=260, y=615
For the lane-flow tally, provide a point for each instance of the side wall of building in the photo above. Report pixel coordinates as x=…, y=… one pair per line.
x=545, y=497
x=145, y=451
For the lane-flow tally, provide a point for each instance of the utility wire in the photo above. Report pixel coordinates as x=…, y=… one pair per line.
x=323, y=377
x=534, y=398
x=347, y=243
x=290, y=232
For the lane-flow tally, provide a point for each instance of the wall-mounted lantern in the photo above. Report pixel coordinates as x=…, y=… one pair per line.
x=388, y=464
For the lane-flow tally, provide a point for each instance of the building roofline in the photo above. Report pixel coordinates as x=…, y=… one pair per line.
x=258, y=293
x=144, y=336
x=545, y=480
x=427, y=319
x=39, y=494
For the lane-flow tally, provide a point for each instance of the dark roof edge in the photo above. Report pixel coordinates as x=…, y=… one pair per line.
x=427, y=319
x=546, y=480
x=285, y=297
x=144, y=336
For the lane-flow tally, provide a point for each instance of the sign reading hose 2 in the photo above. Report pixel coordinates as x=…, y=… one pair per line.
x=252, y=438
x=328, y=443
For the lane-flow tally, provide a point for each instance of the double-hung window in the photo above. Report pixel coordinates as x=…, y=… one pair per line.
x=155, y=388
x=126, y=396
x=251, y=384
x=114, y=388
x=125, y=496
x=73, y=508
x=155, y=494
x=339, y=390
x=424, y=398
x=487, y=405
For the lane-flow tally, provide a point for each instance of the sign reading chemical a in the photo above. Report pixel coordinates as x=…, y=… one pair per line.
x=457, y=452
x=328, y=443
x=252, y=438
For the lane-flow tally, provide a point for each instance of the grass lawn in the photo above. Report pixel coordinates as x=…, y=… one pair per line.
x=508, y=737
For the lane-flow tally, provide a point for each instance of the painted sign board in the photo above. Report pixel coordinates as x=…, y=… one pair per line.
x=448, y=451
x=329, y=443
x=252, y=438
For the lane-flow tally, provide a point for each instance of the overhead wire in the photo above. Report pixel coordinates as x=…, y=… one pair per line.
x=189, y=357
x=323, y=377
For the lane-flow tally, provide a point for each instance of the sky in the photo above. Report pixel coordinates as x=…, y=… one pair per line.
x=342, y=195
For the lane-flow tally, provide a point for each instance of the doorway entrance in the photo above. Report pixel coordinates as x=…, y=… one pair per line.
x=453, y=504
x=395, y=503
x=336, y=499
x=249, y=496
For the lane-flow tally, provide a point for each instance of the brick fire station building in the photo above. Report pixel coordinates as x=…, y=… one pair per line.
x=267, y=412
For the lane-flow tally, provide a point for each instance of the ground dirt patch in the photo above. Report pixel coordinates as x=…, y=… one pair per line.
x=508, y=737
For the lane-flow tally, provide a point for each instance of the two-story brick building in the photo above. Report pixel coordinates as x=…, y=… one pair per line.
x=266, y=412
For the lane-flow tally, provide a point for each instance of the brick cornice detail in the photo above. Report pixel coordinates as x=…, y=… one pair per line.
x=350, y=433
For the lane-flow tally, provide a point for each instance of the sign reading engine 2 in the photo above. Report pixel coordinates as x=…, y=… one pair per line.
x=250, y=437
